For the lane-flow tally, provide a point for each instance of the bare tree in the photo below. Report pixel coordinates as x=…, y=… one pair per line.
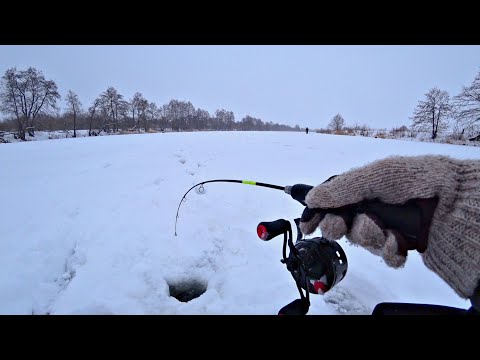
x=225, y=119
x=467, y=108
x=26, y=94
x=74, y=106
x=399, y=131
x=203, y=119
x=112, y=106
x=142, y=112
x=187, y=111
x=337, y=123
x=91, y=114
x=365, y=130
x=180, y=114
x=356, y=128
x=433, y=112
x=164, y=121
x=134, y=108
x=122, y=113
x=172, y=113
x=249, y=123
x=152, y=113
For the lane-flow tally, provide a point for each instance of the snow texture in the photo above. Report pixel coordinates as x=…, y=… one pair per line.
x=87, y=224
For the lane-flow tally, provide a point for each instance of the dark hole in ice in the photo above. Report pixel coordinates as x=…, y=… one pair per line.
x=187, y=290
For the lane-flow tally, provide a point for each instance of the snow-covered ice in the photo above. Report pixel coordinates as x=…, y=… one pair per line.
x=87, y=224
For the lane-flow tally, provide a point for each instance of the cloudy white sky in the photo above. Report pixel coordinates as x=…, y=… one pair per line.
x=304, y=85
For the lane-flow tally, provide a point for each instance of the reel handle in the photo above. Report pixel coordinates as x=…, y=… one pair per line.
x=267, y=230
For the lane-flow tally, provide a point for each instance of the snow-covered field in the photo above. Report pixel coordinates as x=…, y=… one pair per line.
x=87, y=224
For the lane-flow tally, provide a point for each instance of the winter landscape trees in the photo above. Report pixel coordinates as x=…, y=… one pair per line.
x=433, y=113
x=28, y=101
x=26, y=94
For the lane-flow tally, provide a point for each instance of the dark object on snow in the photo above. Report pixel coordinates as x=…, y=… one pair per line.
x=419, y=309
x=296, y=307
x=306, y=130
x=388, y=308
x=475, y=138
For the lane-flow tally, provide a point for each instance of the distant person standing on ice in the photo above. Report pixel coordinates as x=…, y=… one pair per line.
x=306, y=130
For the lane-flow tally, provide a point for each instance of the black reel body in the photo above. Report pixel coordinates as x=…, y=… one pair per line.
x=322, y=261
x=316, y=264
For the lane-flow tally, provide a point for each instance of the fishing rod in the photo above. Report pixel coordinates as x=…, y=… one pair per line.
x=318, y=264
x=201, y=189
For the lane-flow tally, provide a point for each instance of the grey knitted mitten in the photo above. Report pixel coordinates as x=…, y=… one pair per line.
x=448, y=192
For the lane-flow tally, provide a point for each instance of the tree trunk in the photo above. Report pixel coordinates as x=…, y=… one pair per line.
x=115, y=125
x=435, y=128
x=74, y=125
x=21, y=131
x=31, y=129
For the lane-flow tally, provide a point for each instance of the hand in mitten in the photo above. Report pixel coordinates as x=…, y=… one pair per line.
x=425, y=203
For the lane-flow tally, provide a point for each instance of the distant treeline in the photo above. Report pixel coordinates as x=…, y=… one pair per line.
x=31, y=102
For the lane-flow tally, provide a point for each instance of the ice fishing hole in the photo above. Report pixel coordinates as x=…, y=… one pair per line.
x=187, y=290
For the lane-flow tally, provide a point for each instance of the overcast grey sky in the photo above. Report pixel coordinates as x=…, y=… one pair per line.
x=304, y=85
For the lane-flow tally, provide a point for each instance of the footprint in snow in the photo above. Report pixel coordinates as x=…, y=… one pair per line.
x=157, y=181
x=345, y=303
